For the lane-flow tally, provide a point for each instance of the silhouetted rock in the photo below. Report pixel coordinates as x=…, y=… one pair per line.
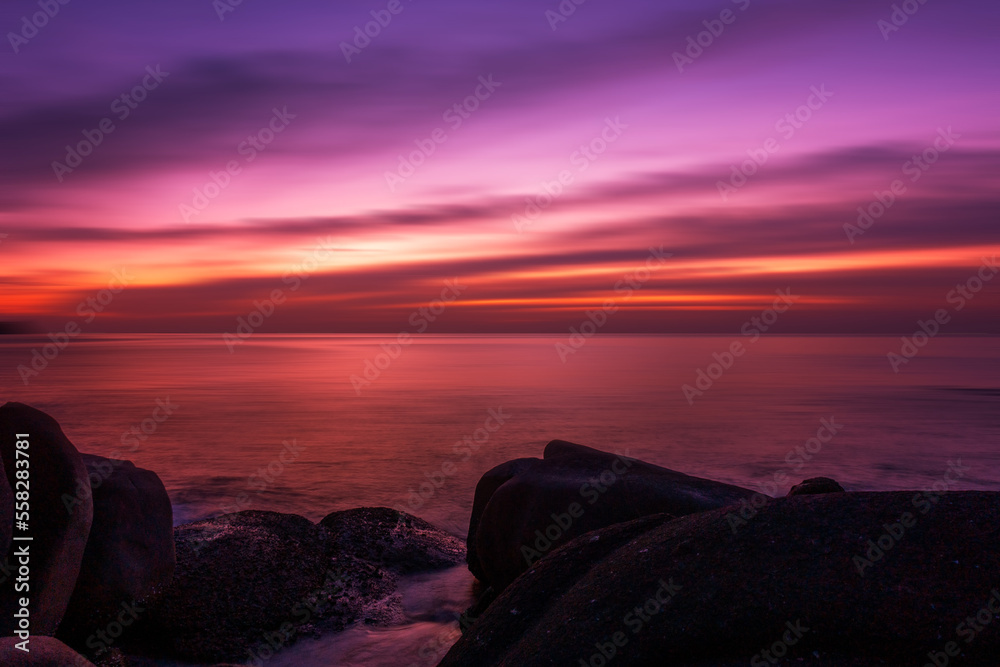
x=247, y=584
x=879, y=576
x=44, y=652
x=6, y=512
x=488, y=484
x=814, y=486
x=396, y=540
x=59, y=529
x=130, y=552
x=525, y=508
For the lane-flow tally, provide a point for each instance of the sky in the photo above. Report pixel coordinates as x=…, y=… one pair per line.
x=172, y=167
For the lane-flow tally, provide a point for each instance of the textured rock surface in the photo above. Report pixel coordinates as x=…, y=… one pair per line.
x=250, y=582
x=396, y=540
x=881, y=576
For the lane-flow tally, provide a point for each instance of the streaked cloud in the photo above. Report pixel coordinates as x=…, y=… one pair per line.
x=323, y=178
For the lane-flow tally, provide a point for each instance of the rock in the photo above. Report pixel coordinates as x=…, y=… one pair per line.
x=112, y=658
x=44, y=652
x=488, y=484
x=816, y=485
x=59, y=528
x=247, y=584
x=6, y=513
x=130, y=552
x=882, y=576
x=396, y=540
x=825, y=660
x=525, y=508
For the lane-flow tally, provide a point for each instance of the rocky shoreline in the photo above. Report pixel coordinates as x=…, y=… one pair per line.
x=112, y=578
x=585, y=558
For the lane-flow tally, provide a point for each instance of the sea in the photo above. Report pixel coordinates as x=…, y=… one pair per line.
x=311, y=424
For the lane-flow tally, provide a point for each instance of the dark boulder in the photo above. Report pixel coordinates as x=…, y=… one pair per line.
x=815, y=486
x=488, y=484
x=247, y=584
x=6, y=513
x=393, y=539
x=59, y=522
x=130, y=552
x=885, y=577
x=525, y=508
x=44, y=652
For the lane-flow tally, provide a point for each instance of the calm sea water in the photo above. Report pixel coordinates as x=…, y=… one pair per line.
x=278, y=424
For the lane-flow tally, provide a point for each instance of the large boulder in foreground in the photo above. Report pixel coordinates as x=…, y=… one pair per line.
x=59, y=529
x=44, y=652
x=881, y=576
x=525, y=508
x=130, y=552
x=247, y=584
x=393, y=539
x=6, y=512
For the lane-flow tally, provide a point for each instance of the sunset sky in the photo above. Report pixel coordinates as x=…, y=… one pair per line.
x=314, y=208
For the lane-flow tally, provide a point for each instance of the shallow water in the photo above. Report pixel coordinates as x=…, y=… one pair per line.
x=399, y=442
